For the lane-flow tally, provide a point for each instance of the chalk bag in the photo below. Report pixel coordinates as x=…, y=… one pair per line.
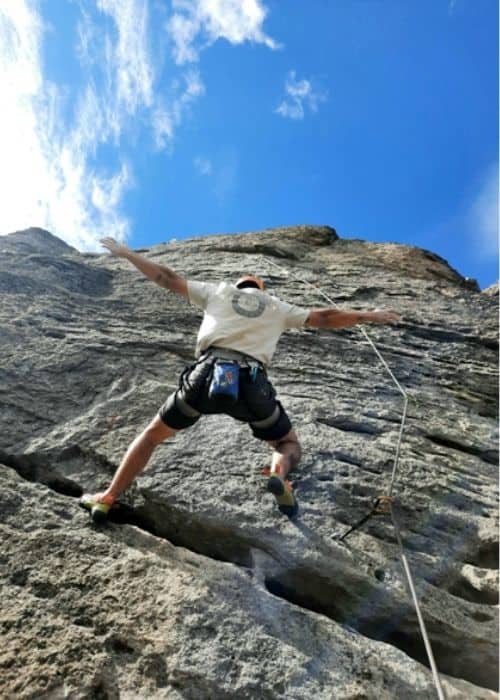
x=225, y=382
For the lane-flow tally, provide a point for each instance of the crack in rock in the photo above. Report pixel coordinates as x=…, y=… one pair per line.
x=298, y=585
x=92, y=349
x=490, y=456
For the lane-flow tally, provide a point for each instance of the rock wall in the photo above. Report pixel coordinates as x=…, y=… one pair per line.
x=199, y=588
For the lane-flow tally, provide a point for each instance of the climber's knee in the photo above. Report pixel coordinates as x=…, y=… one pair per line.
x=289, y=445
x=156, y=432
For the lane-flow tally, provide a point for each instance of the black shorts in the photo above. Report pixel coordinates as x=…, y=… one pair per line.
x=256, y=403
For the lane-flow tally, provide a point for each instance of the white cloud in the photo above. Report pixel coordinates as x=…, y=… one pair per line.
x=133, y=72
x=183, y=31
x=197, y=24
x=167, y=117
x=203, y=166
x=482, y=217
x=164, y=124
x=46, y=173
x=51, y=136
x=300, y=95
x=89, y=39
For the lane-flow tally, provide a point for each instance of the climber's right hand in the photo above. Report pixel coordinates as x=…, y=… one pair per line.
x=120, y=250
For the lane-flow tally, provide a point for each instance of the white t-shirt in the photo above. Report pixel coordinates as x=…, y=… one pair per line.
x=247, y=320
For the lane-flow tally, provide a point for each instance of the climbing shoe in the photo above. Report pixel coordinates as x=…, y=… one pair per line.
x=97, y=504
x=282, y=490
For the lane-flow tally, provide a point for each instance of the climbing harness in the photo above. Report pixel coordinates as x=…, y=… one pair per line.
x=383, y=505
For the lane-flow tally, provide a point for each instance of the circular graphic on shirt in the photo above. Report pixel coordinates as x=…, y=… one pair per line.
x=249, y=305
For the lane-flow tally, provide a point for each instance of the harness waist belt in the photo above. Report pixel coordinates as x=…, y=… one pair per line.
x=228, y=354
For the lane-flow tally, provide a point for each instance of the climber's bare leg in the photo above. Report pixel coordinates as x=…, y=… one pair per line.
x=138, y=455
x=286, y=453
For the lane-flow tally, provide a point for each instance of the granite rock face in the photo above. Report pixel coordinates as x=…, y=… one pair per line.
x=200, y=588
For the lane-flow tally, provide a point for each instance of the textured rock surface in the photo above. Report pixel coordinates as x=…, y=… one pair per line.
x=118, y=612
x=492, y=290
x=90, y=350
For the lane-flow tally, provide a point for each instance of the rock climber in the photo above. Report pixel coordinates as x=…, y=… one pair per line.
x=241, y=326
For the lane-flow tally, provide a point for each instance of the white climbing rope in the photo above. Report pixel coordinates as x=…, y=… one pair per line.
x=423, y=630
x=388, y=499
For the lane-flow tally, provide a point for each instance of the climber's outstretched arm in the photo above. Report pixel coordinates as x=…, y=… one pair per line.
x=163, y=276
x=334, y=318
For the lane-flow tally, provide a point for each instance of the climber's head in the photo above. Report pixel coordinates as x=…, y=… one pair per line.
x=250, y=281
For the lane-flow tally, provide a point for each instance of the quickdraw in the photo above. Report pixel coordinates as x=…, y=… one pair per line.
x=381, y=506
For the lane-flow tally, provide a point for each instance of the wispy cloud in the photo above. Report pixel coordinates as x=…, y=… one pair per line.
x=221, y=173
x=203, y=166
x=196, y=24
x=53, y=137
x=475, y=221
x=45, y=174
x=168, y=115
x=300, y=96
x=129, y=56
x=49, y=172
x=482, y=216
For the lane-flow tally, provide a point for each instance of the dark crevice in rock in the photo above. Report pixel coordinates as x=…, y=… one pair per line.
x=125, y=514
x=490, y=343
x=490, y=456
x=199, y=535
x=487, y=557
x=102, y=691
x=385, y=418
x=348, y=459
x=272, y=251
x=401, y=631
x=306, y=588
x=31, y=470
x=217, y=542
x=443, y=335
x=302, y=586
x=284, y=590
x=462, y=588
x=349, y=425
x=220, y=545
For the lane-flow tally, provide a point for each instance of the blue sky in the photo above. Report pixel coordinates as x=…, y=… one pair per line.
x=150, y=120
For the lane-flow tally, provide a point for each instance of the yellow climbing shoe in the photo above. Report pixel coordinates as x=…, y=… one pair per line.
x=97, y=504
x=282, y=490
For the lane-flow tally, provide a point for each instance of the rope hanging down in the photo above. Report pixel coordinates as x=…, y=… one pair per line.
x=383, y=504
